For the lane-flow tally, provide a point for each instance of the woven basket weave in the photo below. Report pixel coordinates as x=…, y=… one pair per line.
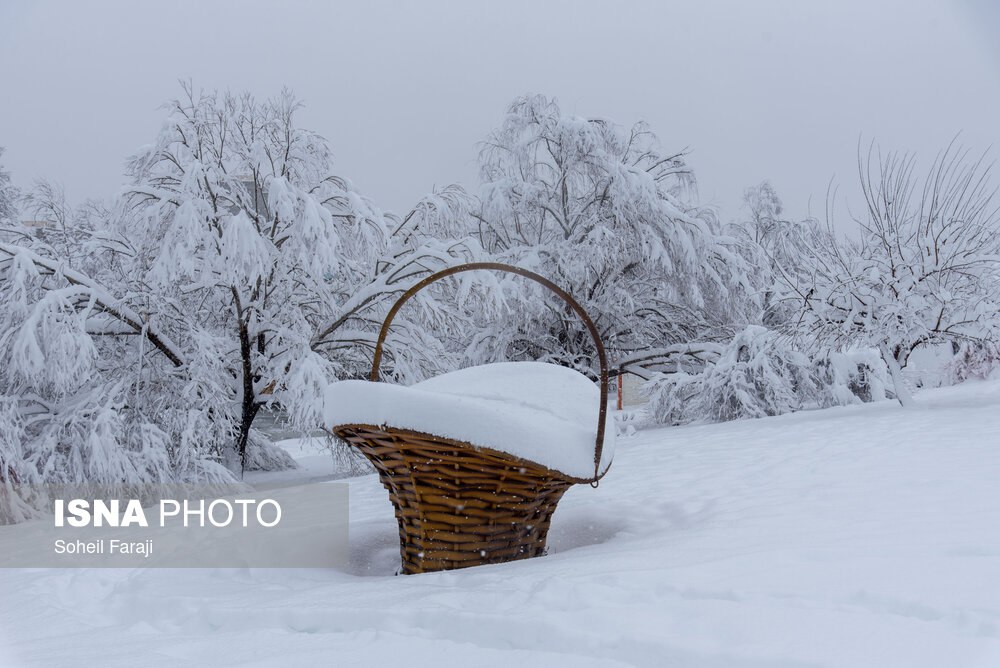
x=459, y=505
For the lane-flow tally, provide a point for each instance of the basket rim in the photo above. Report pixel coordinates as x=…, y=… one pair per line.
x=497, y=454
x=602, y=410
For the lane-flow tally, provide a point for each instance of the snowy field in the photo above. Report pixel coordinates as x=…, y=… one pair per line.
x=861, y=536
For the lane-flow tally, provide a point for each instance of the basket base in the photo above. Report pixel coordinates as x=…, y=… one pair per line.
x=458, y=506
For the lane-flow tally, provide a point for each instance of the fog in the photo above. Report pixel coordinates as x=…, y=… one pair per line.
x=404, y=91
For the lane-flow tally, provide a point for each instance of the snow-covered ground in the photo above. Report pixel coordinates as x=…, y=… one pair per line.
x=862, y=536
x=314, y=460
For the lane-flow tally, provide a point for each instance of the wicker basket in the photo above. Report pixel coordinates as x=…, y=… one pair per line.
x=459, y=505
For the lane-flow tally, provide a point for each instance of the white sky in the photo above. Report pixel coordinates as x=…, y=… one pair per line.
x=404, y=91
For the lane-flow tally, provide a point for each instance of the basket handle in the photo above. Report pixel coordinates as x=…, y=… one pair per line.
x=496, y=266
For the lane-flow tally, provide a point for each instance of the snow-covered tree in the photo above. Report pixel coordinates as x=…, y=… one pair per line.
x=8, y=196
x=236, y=225
x=923, y=269
x=59, y=229
x=605, y=212
x=772, y=245
x=257, y=251
x=236, y=271
x=67, y=416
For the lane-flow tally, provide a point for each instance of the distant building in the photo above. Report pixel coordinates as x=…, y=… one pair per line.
x=257, y=195
x=629, y=388
x=36, y=224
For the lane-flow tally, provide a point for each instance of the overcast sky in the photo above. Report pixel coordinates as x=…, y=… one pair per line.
x=404, y=91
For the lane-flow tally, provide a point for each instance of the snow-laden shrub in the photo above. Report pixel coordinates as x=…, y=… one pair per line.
x=755, y=376
x=851, y=377
x=14, y=473
x=974, y=360
x=760, y=374
x=263, y=455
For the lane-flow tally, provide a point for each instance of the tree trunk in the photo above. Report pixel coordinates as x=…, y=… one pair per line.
x=250, y=406
x=898, y=382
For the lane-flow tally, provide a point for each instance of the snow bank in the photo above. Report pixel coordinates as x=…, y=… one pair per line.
x=854, y=537
x=540, y=412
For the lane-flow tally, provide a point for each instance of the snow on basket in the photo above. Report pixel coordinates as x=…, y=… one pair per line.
x=476, y=460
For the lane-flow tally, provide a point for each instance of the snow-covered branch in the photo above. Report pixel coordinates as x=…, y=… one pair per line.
x=95, y=296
